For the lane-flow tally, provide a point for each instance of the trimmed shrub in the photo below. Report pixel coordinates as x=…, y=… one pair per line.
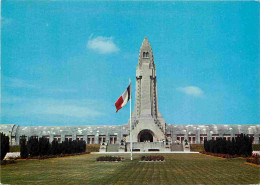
x=55, y=148
x=23, y=148
x=4, y=145
x=33, y=146
x=109, y=158
x=44, y=146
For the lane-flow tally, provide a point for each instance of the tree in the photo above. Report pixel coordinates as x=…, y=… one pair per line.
x=23, y=148
x=4, y=145
x=33, y=146
x=250, y=147
x=55, y=148
x=44, y=146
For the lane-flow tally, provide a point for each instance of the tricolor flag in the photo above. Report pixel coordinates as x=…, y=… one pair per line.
x=124, y=98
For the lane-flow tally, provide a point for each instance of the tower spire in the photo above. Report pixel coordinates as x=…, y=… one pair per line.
x=146, y=113
x=145, y=53
x=146, y=45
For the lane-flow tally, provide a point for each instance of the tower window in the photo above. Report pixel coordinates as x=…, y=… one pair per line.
x=145, y=55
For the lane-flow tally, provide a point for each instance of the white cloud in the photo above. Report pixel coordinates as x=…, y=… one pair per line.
x=11, y=99
x=191, y=90
x=82, y=108
x=102, y=45
x=59, y=90
x=72, y=110
x=5, y=21
x=18, y=83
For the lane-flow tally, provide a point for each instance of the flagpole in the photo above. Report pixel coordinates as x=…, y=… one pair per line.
x=131, y=136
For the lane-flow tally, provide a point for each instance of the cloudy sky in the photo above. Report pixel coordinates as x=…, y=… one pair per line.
x=66, y=63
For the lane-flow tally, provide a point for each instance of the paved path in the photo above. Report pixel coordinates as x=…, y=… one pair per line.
x=177, y=152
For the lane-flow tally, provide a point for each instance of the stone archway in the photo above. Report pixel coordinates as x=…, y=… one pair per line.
x=145, y=136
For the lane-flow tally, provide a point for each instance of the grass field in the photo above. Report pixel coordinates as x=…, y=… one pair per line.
x=178, y=169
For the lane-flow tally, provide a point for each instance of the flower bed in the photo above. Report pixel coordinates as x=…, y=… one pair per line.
x=109, y=158
x=254, y=159
x=152, y=158
x=227, y=156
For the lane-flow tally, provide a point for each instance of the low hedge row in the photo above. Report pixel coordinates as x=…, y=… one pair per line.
x=152, y=158
x=254, y=159
x=227, y=156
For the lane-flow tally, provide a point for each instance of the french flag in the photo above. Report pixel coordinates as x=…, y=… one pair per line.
x=124, y=98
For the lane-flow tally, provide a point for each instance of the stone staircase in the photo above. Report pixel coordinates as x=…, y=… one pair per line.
x=176, y=147
x=112, y=147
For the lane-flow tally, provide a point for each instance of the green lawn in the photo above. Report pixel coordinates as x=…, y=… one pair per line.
x=178, y=169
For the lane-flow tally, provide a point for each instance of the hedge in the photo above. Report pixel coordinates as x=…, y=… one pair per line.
x=42, y=147
x=241, y=145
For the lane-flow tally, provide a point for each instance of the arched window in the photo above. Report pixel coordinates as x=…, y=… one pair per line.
x=145, y=55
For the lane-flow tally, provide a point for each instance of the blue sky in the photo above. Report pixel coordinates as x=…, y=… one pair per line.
x=66, y=63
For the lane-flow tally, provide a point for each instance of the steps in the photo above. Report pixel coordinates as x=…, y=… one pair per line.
x=112, y=147
x=176, y=147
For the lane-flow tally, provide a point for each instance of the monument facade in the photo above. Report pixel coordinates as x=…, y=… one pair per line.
x=150, y=132
x=148, y=123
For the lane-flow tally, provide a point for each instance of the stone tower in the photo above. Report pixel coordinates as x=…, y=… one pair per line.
x=147, y=122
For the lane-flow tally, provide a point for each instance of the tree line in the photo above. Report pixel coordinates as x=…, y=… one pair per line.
x=241, y=145
x=42, y=147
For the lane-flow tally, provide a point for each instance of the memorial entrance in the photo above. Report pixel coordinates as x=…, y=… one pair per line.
x=145, y=136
